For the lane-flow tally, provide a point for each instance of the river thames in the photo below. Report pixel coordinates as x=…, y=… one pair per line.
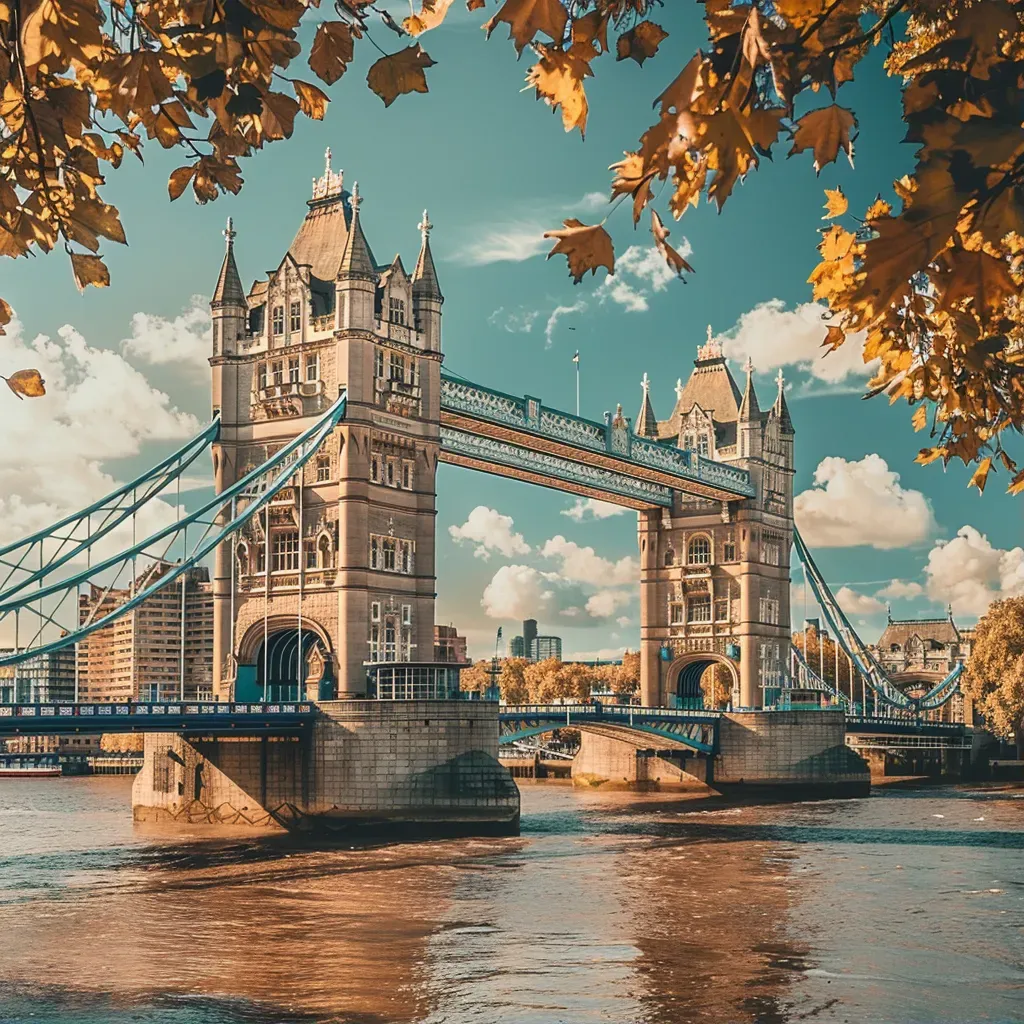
x=905, y=906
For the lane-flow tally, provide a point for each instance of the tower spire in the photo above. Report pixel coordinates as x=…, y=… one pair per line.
x=646, y=421
x=749, y=409
x=781, y=409
x=357, y=259
x=424, y=277
x=229, y=285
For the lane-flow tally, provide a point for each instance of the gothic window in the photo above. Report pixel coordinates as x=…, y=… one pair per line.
x=310, y=555
x=323, y=468
x=293, y=370
x=278, y=371
x=261, y=559
x=397, y=368
x=670, y=556
x=407, y=468
x=242, y=558
x=324, y=553
x=261, y=377
x=770, y=549
x=378, y=363
x=699, y=551
x=698, y=608
x=406, y=614
x=216, y=338
x=769, y=608
x=390, y=476
x=375, y=611
x=688, y=441
x=375, y=642
x=388, y=554
x=721, y=609
x=295, y=317
x=396, y=309
x=390, y=645
x=703, y=444
x=313, y=366
x=278, y=319
x=284, y=551
x=895, y=648
x=407, y=549
x=675, y=614
x=412, y=370
x=729, y=549
x=374, y=553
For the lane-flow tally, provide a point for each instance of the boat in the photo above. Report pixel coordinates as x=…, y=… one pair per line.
x=29, y=766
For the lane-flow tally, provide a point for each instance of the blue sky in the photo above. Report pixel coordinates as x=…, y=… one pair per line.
x=495, y=169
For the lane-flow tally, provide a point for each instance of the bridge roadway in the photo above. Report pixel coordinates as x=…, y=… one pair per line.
x=695, y=729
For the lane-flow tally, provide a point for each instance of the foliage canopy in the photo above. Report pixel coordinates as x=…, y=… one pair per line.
x=927, y=281
x=995, y=671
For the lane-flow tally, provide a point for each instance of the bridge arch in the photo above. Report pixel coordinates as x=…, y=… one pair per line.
x=269, y=660
x=684, y=675
x=917, y=682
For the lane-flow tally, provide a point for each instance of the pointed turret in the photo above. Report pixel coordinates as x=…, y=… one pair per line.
x=229, y=284
x=780, y=409
x=424, y=277
x=357, y=259
x=749, y=409
x=646, y=422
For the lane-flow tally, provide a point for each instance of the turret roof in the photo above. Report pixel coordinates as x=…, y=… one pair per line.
x=749, y=409
x=357, y=259
x=646, y=422
x=229, y=285
x=424, y=277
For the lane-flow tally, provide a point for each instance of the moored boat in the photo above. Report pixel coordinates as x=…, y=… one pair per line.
x=29, y=766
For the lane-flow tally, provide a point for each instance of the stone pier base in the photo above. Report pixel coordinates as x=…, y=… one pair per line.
x=610, y=762
x=427, y=767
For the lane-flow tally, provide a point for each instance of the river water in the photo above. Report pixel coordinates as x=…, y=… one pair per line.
x=905, y=906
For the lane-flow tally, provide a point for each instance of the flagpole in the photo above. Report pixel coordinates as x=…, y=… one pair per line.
x=576, y=360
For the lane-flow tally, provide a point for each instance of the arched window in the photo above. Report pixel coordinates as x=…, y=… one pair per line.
x=894, y=648
x=703, y=444
x=698, y=608
x=325, y=553
x=699, y=551
x=670, y=556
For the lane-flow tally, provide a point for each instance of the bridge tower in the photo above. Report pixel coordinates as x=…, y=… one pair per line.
x=338, y=572
x=714, y=583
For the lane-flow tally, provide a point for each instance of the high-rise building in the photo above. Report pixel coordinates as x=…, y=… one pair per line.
x=529, y=635
x=146, y=654
x=42, y=679
x=544, y=647
x=449, y=646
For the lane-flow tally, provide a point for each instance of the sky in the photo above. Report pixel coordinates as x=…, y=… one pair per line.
x=128, y=380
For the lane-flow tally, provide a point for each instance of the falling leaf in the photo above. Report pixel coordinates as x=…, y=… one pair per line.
x=525, y=18
x=332, y=50
x=980, y=476
x=640, y=42
x=179, y=180
x=878, y=209
x=585, y=246
x=429, y=16
x=826, y=131
x=920, y=417
x=834, y=337
x=1016, y=484
x=399, y=73
x=312, y=101
x=671, y=257
x=836, y=203
x=5, y=315
x=558, y=80
x=836, y=244
x=631, y=178
x=89, y=270
x=27, y=383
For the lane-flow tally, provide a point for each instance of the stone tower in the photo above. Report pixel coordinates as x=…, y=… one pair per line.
x=714, y=584
x=338, y=575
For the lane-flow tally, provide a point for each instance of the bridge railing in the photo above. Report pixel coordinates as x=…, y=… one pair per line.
x=606, y=711
x=893, y=722
x=99, y=713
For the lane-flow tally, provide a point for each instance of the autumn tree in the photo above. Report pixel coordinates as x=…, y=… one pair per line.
x=927, y=279
x=819, y=650
x=994, y=679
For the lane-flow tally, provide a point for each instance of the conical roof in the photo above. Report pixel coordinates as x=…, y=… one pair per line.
x=749, y=409
x=780, y=409
x=229, y=285
x=357, y=259
x=424, y=277
x=646, y=421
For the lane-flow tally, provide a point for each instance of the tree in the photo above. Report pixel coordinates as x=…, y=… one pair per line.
x=994, y=679
x=819, y=651
x=927, y=280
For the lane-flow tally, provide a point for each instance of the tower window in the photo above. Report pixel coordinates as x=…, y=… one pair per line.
x=278, y=319
x=261, y=377
x=285, y=551
x=703, y=444
x=729, y=549
x=388, y=552
x=675, y=614
x=699, y=608
x=699, y=551
x=406, y=614
x=378, y=363
x=323, y=468
x=397, y=368
x=721, y=609
x=407, y=476
x=396, y=308
x=295, y=317
x=278, y=370
x=293, y=370
x=375, y=611
x=313, y=366
x=374, y=553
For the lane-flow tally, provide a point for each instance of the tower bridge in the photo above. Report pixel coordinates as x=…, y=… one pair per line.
x=331, y=413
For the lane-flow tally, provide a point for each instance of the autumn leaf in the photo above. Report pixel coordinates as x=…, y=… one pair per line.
x=525, y=18
x=836, y=204
x=430, y=15
x=834, y=337
x=826, y=131
x=27, y=383
x=399, y=73
x=332, y=50
x=640, y=42
x=89, y=270
x=980, y=476
x=558, y=80
x=631, y=178
x=670, y=256
x=585, y=246
x=6, y=313
x=878, y=209
x=920, y=417
x=179, y=180
x=312, y=101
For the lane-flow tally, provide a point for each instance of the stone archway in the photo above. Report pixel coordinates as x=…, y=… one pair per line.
x=277, y=661
x=916, y=683
x=684, y=676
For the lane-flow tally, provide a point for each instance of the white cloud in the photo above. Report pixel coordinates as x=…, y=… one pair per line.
x=773, y=336
x=515, y=321
x=593, y=201
x=855, y=503
x=593, y=508
x=605, y=603
x=556, y=314
x=901, y=589
x=184, y=340
x=623, y=620
x=969, y=573
x=490, y=531
x=604, y=654
x=523, y=592
x=638, y=271
x=584, y=565
x=854, y=603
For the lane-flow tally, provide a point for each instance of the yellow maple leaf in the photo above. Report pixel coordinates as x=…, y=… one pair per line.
x=585, y=246
x=640, y=42
x=525, y=18
x=430, y=15
x=826, y=131
x=332, y=50
x=834, y=337
x=396, y=74
x=980, y=476
x=558, y=79
x=836, y=204
x=26, y=383
x=89, y=270
x=920, y=417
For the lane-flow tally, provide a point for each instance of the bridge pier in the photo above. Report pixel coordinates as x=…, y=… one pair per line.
x=609, y=762
x=365, y=767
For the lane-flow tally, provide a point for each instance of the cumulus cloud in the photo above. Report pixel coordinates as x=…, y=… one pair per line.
x=515, y=321
x=854, y=603
x=969, y=573
x=592, y=508
x=584, y=565
x=490, y=531
x=523, y=592
x=556, y=314
x=638, y=271
x=861, y=503
x=906, y=589
x=773, y=336
x=183, y=340
x=605, y=603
